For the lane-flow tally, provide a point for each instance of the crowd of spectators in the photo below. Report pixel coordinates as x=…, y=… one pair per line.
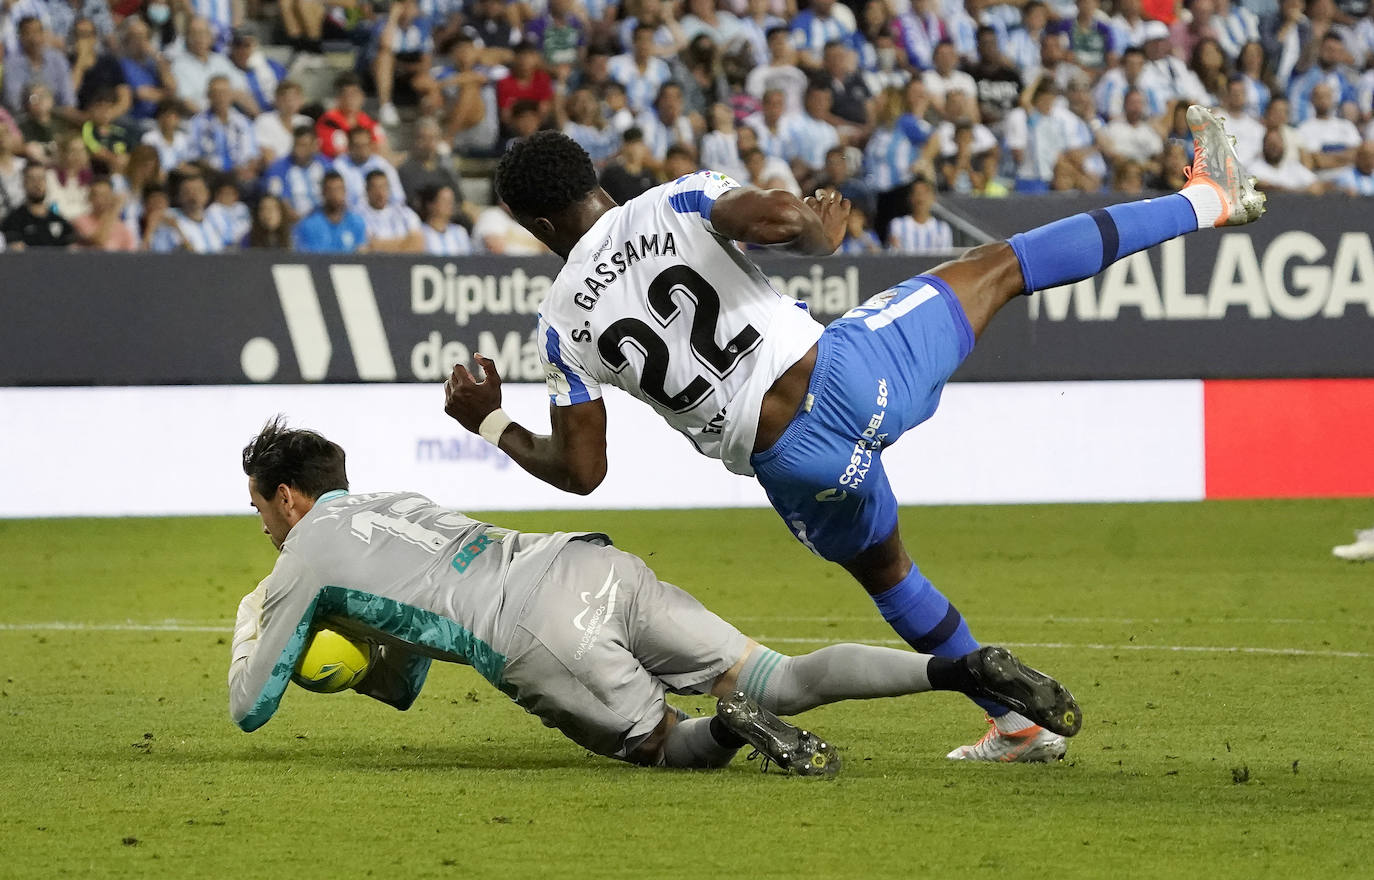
x=168, y=125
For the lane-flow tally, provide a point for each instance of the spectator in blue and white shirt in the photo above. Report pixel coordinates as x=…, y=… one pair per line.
x=1233, y=26
x=222, y=16
x=1358, y=179
x=1129, y=75
x=173, y=145
x=1252, y=66
x=774, y=126
x=754, y=27
x=1023, y=44
x=812, y=136
x=665, y=124
x=1037, y=140
x=145, y=70
x=198, y=64
x=262, y=74
x=360, y=159
x=587, y=125
x=391, y=228
x=720, y=146
x=640, y=71
x=296, y=178
x=228, y=214
x=63, y=15
x=1129, y=25
x=400, y=54
x=443, y=237
x=813, y=28
x=668, y=40
x=38, y=64
x=1330, y=70
x=13, y=15
x=780, y=73
x=187, y=227
x=900, y=140
x=1331, y=140
x=919, y=232
x=274, y=130
x=222, y=137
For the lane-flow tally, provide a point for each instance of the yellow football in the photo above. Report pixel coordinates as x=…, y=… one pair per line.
x=331, y=662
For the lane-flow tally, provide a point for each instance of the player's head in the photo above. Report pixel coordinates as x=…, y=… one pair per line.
x=288, y=469
x=548, y=183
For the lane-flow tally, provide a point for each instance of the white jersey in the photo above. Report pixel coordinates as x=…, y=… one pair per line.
x=655, y=301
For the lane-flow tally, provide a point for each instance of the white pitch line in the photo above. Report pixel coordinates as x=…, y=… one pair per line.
x=170, y=626
x=1123, y=621
x=1079, y=646
x=60, y=626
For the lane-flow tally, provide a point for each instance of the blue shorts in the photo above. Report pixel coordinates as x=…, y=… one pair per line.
x=879, y=373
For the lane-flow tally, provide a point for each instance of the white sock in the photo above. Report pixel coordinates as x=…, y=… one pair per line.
x=1206, y=202
x=1012, y=722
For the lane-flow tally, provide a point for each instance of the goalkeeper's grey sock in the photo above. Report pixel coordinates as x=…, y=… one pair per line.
x=694, y=743
x=789, y=685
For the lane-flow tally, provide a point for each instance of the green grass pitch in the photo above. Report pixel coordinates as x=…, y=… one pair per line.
x=1224, y=661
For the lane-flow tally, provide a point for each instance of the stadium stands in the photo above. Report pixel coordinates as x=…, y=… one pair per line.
x=972, y=96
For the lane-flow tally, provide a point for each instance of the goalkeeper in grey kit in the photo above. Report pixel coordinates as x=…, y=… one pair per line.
x=577, y=632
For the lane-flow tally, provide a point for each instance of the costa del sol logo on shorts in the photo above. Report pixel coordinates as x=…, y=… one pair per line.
x=591, y=618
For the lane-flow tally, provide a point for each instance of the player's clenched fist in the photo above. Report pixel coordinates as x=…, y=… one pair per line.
x=469, y=401
x=833, y=209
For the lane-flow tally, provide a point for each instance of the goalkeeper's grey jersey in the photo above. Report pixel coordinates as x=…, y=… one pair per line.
x=424, y=581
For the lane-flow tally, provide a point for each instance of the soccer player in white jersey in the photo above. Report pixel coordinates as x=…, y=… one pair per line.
x=657, y=299
x=578, y=633
x=391, y=228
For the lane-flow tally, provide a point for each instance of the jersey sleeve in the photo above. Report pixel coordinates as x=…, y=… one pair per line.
x=396, y=677
x=269, y=635
x=694, y=195
x=568, y=381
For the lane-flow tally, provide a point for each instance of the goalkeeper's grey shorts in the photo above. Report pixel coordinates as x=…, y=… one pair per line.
x=602, y=640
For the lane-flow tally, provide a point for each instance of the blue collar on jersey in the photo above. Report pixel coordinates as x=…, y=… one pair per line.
x=331, y=495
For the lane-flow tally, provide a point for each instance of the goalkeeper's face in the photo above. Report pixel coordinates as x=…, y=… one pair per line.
x=275, y=511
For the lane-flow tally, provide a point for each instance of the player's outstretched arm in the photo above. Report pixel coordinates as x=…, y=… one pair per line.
x=572, y=457
x=814, y=225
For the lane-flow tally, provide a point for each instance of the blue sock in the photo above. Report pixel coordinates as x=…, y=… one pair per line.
x=1080, y=246
x=929, y=623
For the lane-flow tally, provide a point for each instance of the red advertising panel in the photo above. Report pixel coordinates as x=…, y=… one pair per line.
x=1288, y=438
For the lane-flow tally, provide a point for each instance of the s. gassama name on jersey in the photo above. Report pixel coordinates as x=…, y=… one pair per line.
x=629, y=253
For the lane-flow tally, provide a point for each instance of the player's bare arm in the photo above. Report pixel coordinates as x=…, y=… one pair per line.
x=814, y=225
x=571, y=457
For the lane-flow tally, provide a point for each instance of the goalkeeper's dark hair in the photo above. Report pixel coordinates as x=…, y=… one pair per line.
x=544, y=174
x=303, y=460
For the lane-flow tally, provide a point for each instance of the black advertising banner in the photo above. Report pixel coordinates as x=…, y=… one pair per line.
x=1290, y=296
x=94, y=319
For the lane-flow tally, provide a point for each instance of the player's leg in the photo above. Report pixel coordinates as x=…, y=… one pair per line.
x=1218, y=193
x=790, y=685
x=881, y=368
x=689, y=650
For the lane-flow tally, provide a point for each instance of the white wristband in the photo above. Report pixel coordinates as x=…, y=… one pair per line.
x=493, y=426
